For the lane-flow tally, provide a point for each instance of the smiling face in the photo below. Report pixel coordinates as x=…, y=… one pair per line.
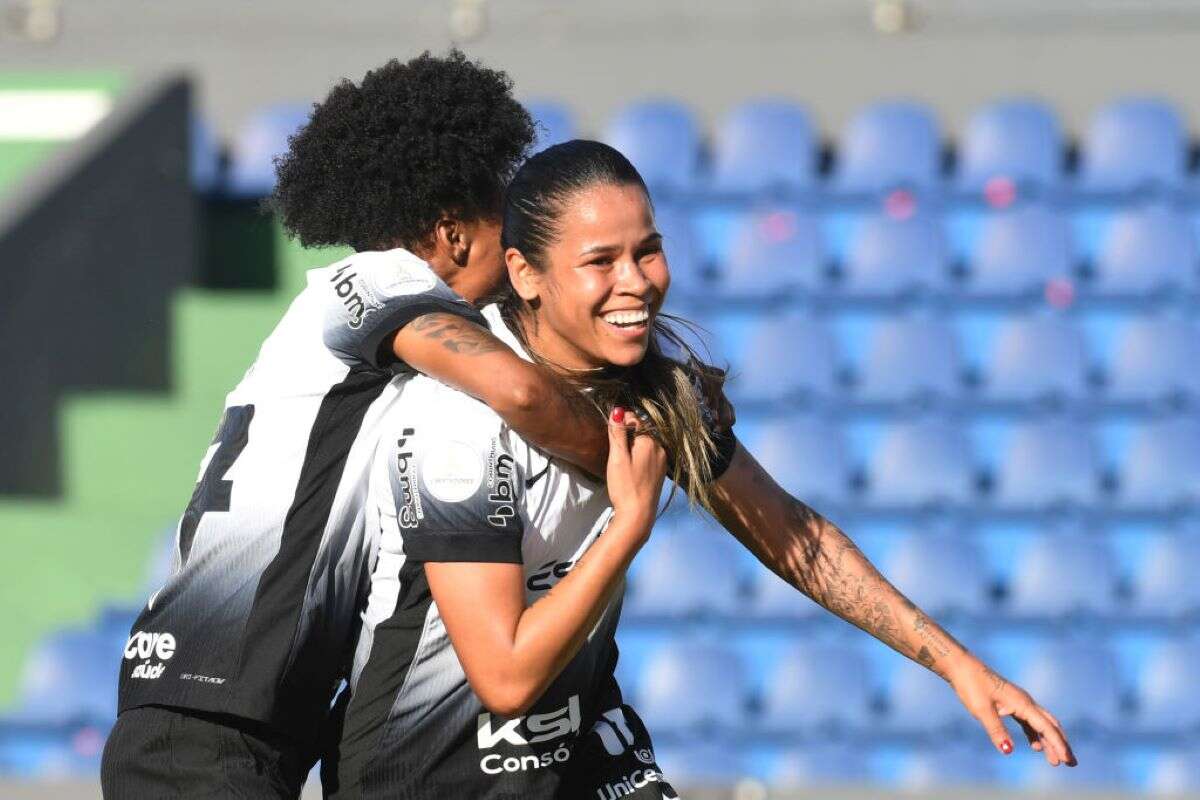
x=604, y=279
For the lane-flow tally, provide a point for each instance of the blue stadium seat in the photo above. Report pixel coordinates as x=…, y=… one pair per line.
x=263, y=137
x=1155, y=359
x=820, y=764
x=70, y=677
x=910, y=359
x=929, y=769
x=818, y=687
x=1062, y=573
x=1018, y=251
x=764, y=147
x=807, y=456
x=699, y=763
x=686, y=687
x=890, y=258
x=1164, y=583
x=1161, y=470
x=1167, y=701
x=886, y=145
x=204, y=157
x=1078, y=682
x=943, y=573
x=685, y=257
x=554, y=123
x=1016, y=140
x=1134, y=143
x=662, y=140
x=1036, y=358
x=1175, y=773
x=773, y=597
x=789, y=357
x=1146, y=252
x=51, y=754
x=921, y=463
x=1047, y=465
x=919, y=702
x=686, y=570
x=774, y=252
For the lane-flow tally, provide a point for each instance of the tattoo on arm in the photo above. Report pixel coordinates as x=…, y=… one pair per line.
x=835, y=573
x=456, y=334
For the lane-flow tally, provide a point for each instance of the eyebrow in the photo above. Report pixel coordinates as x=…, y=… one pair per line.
x=608, y=248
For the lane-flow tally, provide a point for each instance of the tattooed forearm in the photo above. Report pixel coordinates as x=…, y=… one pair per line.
x=833, y=571
x=456, y=334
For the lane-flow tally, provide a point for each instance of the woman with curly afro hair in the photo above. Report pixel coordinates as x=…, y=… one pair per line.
x=230, y=669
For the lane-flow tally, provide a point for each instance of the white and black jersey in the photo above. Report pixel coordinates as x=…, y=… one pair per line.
x=451, y=482
x=259, y=615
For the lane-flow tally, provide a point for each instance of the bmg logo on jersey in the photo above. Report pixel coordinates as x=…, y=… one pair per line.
x=145, y=646
x=501, y=495
x=343, y=286
x=409, y=511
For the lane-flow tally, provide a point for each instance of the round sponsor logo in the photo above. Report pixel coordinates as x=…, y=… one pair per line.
x=644, y=755
x=410, y=280
x=452, y=471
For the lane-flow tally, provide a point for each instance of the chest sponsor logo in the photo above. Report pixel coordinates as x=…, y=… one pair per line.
x=452, y=471
x=502, y=496
x=147, y=647
x=547, y=574
x=531, y=729
x=408, y=501
x=524, y=731
x=346, y=290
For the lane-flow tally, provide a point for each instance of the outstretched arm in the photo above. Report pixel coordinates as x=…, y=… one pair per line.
x=815, y=556
x=540, y=406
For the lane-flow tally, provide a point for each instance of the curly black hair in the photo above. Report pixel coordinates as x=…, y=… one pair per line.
x=380, y=162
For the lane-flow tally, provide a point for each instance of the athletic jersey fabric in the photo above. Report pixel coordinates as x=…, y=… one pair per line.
x=260, y=612
x=451, y=482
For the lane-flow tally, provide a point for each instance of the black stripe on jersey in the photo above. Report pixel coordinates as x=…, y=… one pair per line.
x=480, y=546
x=299, y=696
x=397, y=319
x=392, y=654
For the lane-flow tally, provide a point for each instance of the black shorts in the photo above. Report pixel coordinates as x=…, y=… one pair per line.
x=155, y=752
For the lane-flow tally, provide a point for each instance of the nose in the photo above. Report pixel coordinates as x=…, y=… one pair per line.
x=632, y=281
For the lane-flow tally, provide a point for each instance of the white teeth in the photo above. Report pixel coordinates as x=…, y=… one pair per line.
x=627, y=317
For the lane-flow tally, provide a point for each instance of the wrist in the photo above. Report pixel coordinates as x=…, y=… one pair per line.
x=632, y=522
x=960, y=664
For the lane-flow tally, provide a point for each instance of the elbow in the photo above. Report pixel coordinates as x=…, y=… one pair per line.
x=508, y=701
x=523, y=395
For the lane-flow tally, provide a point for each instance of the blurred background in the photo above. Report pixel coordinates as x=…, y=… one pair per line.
x=947, y=247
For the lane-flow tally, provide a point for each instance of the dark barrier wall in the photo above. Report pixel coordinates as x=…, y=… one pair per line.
x=91, y=250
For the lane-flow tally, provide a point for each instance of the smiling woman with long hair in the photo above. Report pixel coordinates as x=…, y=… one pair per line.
x=485, y=666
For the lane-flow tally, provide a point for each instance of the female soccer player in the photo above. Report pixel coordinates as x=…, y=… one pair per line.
x=230, y=669
x=485, y=664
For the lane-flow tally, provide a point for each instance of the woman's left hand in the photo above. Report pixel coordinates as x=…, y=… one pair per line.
x=989, y=696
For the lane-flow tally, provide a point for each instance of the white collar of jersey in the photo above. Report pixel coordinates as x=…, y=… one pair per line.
x=501, y=331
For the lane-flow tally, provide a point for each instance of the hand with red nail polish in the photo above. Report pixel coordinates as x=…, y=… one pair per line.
x=990, y=697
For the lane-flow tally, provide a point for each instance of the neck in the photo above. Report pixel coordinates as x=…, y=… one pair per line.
x=459, y=279
x=551, y=349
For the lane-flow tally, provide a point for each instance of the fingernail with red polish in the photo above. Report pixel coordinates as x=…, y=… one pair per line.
x=618, y=414
x=1006, y=747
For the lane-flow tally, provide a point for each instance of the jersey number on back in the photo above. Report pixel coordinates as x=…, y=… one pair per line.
x=213, y=492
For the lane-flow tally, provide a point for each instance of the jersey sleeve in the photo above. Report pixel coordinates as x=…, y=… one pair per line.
x=369, y=296
x=458, y=494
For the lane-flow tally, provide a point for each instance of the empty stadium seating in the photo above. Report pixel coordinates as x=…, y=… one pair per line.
x=879, y=295
x=764, y=147
x=1014, y=140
